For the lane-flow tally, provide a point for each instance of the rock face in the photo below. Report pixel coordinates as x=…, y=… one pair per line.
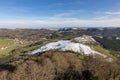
x=85, y=39
x=65, y=45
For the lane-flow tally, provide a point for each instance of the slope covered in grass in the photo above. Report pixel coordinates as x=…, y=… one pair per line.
x=103, y=51
x=7, y=45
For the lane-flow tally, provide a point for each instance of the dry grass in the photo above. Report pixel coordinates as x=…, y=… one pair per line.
x=44, y=67
x=57, y=65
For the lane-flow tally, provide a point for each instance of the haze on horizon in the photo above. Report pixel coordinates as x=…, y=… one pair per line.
x=59, y=13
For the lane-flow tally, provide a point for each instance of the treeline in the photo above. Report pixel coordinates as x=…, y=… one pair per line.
x=66, y=33
x=112, y=44
x=25, y=34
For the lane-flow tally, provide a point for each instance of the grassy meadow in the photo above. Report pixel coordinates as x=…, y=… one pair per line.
x=7, y=45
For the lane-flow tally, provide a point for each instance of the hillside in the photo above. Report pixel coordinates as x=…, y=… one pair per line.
x=25, y=34
x=58, y=55
x=55, y=65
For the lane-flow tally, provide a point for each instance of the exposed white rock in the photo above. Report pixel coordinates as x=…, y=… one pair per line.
x=118, y=38
x=85, y=39
x=68, y=46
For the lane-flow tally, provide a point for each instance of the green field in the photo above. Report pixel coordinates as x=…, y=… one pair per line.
x=7, y=45
x=103, y=51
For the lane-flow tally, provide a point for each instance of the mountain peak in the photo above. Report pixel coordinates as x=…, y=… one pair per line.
x=85, y=39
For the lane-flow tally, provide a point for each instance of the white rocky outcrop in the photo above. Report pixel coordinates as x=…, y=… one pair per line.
x=84, y=39
x=65, y=45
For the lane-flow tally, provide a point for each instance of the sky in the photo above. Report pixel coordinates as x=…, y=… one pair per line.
x=59, y=13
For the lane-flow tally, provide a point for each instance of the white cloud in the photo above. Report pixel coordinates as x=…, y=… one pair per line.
x=107, y=15
x=70, y=3
x=113, y=13
x=102, y=17
x=64, y=20
x=62, y=23
x=68, y=13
